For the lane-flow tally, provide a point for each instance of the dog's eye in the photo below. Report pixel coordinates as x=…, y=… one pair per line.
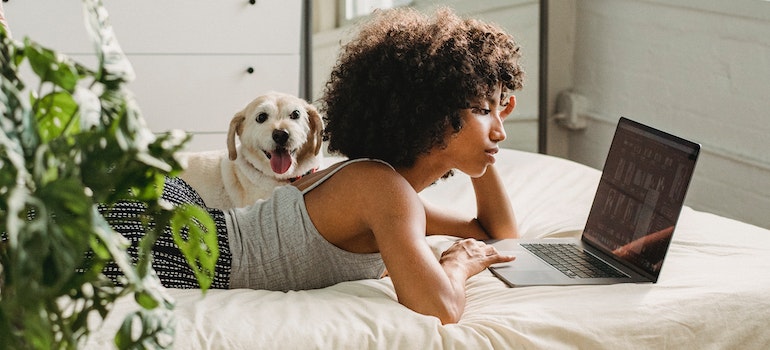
x=261, y=117
x=294, y=115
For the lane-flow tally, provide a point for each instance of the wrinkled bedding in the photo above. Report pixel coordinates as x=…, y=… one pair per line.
x=713, y=292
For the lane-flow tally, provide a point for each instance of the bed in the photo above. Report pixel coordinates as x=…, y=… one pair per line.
x=713, y=292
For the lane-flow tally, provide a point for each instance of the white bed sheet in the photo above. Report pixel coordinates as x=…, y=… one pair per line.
x=713, y=292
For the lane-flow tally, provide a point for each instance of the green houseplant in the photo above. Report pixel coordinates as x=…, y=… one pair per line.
x=78, y=140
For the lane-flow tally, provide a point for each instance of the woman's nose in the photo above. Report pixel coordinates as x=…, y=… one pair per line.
x=497, y=133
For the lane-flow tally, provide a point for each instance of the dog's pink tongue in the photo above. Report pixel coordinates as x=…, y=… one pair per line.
x=280, y=161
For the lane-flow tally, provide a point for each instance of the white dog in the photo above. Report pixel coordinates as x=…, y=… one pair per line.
x=280, y=140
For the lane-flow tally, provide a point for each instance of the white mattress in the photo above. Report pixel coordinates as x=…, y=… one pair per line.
x=713, y=292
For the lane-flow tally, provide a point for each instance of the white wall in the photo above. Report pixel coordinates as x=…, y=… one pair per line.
x=191, y=58
x=699, y=69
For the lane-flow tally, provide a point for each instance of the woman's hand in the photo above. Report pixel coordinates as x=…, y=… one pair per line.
x=468, y=257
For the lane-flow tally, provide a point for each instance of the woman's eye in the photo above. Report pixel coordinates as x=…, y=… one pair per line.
x=480, y=111
x=261, y=117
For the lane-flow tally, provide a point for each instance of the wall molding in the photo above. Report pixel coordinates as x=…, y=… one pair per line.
x=755, y=9
x=706, y=146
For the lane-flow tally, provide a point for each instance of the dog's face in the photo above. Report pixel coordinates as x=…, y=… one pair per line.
x=280, y=135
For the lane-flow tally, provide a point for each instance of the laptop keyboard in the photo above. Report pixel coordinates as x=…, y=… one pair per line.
x=573, y=261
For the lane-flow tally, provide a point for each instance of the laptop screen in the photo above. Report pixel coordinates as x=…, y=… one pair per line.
x=640, y=195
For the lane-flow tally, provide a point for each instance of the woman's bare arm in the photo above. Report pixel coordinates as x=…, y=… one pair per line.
x=444, y=221
x=494, y=213
x=493, y=208
x=422, y=283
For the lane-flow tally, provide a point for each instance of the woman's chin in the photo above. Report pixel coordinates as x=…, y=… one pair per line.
x=478, y=172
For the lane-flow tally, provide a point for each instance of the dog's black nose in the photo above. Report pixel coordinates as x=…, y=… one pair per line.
x=280, y=136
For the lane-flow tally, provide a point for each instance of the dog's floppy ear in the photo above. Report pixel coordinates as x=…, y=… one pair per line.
x=236, y=127
x=316, y=128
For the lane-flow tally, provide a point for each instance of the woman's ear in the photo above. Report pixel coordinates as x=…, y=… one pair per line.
x=509, y=108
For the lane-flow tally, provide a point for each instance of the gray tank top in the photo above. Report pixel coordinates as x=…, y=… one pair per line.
x=275, y=246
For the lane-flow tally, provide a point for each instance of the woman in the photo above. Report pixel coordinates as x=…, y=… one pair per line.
x=411, y=99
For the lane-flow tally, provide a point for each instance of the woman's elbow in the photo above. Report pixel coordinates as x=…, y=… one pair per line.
x=510, y=230
x=449, y=314
x=450, y=318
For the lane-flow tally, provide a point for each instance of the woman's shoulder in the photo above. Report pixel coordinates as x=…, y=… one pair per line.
x=359, y=176
x=359, y=196
x=368, y=164
x=377, y=193
x=369, y=173
x=364, y=163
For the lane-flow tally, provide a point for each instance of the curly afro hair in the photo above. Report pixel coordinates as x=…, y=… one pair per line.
x=398, y=87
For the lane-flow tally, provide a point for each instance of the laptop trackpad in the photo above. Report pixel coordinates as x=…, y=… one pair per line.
x=524, y=260
x=516, y=277
x=527, y=269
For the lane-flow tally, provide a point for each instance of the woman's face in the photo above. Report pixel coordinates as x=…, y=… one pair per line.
x=473, y=148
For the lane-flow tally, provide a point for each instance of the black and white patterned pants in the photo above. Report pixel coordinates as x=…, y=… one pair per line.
x=167, y=260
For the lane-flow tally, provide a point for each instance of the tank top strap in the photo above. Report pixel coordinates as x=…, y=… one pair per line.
x=340, y=166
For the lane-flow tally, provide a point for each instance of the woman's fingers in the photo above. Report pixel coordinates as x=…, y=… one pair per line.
x=495, y=256
x=474, y=256
x=478, y=249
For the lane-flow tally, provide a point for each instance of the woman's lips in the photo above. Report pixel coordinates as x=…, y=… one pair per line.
x=491, y=154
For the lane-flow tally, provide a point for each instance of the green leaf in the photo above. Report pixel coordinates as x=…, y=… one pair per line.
x=69, y=226
x=50, y=66
x=56, y=115
x=200, y=247
x=145, y=299
x=16, y=122
x=116, y=69
x=146, y=330
x=83, y=142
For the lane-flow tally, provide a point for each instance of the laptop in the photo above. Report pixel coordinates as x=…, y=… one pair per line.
x=632, y=219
